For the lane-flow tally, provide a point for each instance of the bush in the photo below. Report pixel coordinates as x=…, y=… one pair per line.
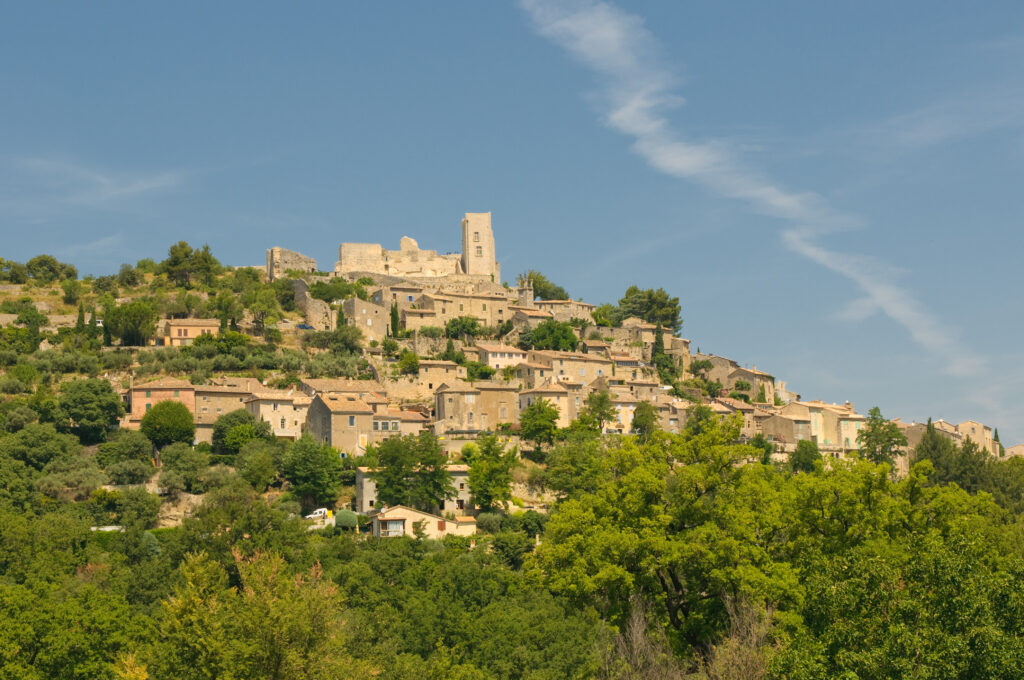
x=171, y=483
x=187, y=462
x=130, y=472
x=258, y=462
x=489, y=522
x=128, y=445
x=433, y=332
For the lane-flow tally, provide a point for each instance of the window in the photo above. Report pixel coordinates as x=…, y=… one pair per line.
x=408, y=298
x=462, y=486
x=485, y=306
x=583, y=372
x=282, y=423
x=176, y=393
x=476, y=237
x=460, y=504
x=148, y=394
x=376, y=425
x=440, y=525
x=503, y=413
x=351, y=421
x=461, y=306
x=470, y=398
x=369, y=322
x=479, y=251
x=275, y=407
x=149, y=406
x=394, y=426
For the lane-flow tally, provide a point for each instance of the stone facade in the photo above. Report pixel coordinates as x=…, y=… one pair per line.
x=366, y=490
x=318, y=313
x=477, y=259
x=372, y=319
x=280, y=261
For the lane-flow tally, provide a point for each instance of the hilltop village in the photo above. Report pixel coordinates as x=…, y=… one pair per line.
x=392, y=343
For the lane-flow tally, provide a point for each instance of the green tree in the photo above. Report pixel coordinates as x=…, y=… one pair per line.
x=880, y=440
x=133, y=323
x=93, y=408
x=607, y=315
x=599, y=408
x=72, y=291
x=37, y=444
x=264, y=308
x=544, y=289
x=490, y=473
x=645, y=420
x=395, y=326
x=258, y=462
x=806, y=457
x=179, y=264
x=314, y=472
x=45, y=268
x=253, y=428
x=653, y=306
x=168, y=422
x=413, y=471
x=128, y=276
x=462, y=326
x=408, y=363
x=538, y=422
x=188, y=462
x=204, y=265
x=552, y=335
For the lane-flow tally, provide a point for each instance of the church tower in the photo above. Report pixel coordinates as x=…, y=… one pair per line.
x=478, y=247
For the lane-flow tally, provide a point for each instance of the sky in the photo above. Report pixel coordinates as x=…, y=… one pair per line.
x=832, y=190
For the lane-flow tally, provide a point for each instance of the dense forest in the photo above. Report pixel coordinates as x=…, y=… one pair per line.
x=662, y=556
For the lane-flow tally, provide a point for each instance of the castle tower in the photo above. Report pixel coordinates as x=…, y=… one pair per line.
x=525, y=292
x=478, y=247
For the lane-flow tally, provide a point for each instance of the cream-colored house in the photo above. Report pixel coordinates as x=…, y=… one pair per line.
x=183, y=332
x=572, y=366
x=398, y=520
x=285, y=410
x=499, y=356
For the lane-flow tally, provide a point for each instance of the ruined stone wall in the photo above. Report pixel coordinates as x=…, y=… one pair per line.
x=280, y=260
x=408, y=261
x=318, y=313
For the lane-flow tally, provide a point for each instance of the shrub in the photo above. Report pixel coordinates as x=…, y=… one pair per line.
x=168, y=422
x=129, y=472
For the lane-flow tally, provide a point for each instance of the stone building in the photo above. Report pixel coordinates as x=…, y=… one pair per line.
x=285, y=410
x=572, y=366
x=213, y=401
x=559, y=395
x=566, y=310
x=499, y=356
x=142, y=396
x=372, y=319
x=183, y=332
x=344, y=422
x=476, y=260
x=280, y=261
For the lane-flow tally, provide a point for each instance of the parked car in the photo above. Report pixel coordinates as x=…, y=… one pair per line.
x=305, y=327
x=319, y=513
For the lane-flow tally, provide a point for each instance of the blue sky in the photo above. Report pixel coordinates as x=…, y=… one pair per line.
x=833, y=191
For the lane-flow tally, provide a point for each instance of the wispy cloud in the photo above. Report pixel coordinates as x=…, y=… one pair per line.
x=637, y=91
x=41, y=185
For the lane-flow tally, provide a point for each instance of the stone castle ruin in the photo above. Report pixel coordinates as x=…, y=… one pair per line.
x=476, y=262
x=410, y=261
x=280, y=261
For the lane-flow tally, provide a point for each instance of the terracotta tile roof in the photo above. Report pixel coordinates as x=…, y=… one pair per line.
x=547, y=389
x=455, y=388
x=343, y=385
x=164, y=383
x=492, y=348
x=532, y=312
x=345, y=405
x=193, y=322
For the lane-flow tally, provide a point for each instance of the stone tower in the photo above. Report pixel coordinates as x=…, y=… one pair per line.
x=525, y=292
x=478, y=247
